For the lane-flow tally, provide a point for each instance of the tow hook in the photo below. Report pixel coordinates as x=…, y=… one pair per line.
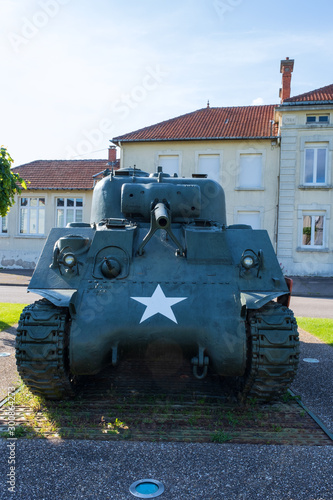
x=200, y=361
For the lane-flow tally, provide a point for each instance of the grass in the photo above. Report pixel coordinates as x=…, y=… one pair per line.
x=221, y=437
x=9, y=314
x=319, y=327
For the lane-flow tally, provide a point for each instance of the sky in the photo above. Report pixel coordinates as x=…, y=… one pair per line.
x=76, y=73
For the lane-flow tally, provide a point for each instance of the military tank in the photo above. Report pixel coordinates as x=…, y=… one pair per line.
x=158, y=262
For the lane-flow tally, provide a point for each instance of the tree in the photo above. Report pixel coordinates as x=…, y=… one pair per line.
x=10, y=182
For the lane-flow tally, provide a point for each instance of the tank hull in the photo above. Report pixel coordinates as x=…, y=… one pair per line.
x=141, y=314
x=158, y=265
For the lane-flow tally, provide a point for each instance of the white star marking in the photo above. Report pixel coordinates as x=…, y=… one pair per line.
x=158, y=303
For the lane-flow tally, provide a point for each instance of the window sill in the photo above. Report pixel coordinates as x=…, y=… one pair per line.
x=317, y=125
x=31, y=236
x=239, y=188
x=312, y=249
x=4, y=235
x=313, y=186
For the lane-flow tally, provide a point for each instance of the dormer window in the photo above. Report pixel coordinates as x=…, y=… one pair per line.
x=310, y=119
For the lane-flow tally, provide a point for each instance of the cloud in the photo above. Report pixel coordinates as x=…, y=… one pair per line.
x=72, y=72
x=258, y=101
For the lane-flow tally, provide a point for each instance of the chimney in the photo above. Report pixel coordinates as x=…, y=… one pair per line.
x=112, y=154
x=286, y=68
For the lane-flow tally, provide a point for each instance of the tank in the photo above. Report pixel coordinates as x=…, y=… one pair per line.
x=158, y=263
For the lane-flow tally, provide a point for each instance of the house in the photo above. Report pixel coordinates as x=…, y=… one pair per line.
x=236, y=146
x=305, y=225
x=58, y=192
x=274, y=162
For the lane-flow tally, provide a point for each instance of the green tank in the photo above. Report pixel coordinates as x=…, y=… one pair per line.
x=158, y=263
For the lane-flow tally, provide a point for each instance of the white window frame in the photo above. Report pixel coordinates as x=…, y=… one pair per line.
x=28, y=207
x=169, y=152
x=313, y=211
x=316, y=120
x=210, y=152
x=321, y=141
x=4, y=222
x=251, y=210
x=65, y=208
x=315, y=147
x=249, y=152
x=313, y=217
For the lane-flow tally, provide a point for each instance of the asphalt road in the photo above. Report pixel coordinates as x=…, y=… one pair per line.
x=302, y=306
x=309, y=307
x=17, y=294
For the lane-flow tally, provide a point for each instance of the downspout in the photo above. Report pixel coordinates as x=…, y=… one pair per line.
x=278, y=198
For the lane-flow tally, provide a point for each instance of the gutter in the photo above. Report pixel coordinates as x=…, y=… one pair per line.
x=169, y=139
x=57, y=189
x=303, y=103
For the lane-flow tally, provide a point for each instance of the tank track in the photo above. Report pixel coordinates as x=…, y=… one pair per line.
x=42, y=350
x=273, y=344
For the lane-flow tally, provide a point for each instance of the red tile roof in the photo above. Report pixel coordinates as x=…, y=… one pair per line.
x=210, y=123
x=61, y=174
x=322, y=94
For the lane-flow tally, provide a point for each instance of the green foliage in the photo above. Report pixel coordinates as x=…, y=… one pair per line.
x=10, y=182
x=18, y=432
x=319, y=327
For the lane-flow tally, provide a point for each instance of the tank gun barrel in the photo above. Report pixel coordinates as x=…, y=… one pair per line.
x=161, y=215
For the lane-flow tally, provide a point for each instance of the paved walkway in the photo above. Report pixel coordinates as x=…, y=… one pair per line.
x=69, y=470
x=15, y=277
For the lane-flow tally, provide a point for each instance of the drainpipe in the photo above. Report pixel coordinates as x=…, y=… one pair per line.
x=277, y=215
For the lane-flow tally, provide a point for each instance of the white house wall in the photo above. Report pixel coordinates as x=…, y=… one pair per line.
x=262, y=200
x=22, y=251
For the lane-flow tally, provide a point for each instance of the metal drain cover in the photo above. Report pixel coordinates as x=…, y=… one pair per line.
x=147, y=488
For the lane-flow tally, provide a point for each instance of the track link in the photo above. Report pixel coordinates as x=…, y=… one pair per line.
x=42, y=350
x=274, y=352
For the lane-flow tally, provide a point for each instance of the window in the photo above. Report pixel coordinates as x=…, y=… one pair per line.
x=69, y=210
x=313, y=231
x=317, y=119
x=170, y=164
x=250, y=171
x=3, y=225
x=251, y=218
x=210, y=165
x=32, y=215
x=315, y=165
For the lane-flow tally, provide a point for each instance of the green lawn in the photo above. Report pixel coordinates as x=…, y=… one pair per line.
x=9, y=314
x=321, y=328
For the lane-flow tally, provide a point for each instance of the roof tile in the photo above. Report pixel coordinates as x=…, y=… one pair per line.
x=210, y=123
x=61, y=174
x=322, y=94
